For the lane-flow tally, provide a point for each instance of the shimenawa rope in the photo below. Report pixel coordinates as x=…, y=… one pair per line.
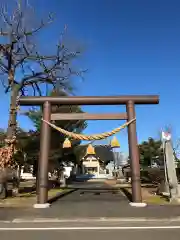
x=89, y=137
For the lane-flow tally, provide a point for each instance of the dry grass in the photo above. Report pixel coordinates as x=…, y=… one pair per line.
x=156, y=200
x=149, y=198
x=147, y=193
x=25, y=199
x=27, y=196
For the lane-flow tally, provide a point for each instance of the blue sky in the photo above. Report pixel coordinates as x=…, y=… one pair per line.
x=131, y=47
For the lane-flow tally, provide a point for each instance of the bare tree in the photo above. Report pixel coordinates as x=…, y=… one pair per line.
x=20, y=56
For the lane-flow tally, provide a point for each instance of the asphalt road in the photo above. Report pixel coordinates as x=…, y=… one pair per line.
x=90, y=231
x=88, y=235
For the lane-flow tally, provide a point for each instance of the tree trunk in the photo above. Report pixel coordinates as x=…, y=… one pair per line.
x=3, y=184
x=11, y=131
x=12, y=125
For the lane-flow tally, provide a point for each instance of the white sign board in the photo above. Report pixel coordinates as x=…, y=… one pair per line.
x=166, y=136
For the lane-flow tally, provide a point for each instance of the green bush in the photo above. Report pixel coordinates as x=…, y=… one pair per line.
x=155, y=175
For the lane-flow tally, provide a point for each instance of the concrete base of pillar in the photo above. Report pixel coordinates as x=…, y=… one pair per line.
x=44, y=205
x=135, y=204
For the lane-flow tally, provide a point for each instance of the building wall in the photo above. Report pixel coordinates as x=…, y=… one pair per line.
x=90, y=162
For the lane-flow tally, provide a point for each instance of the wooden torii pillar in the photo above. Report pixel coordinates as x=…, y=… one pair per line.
x=47, y=102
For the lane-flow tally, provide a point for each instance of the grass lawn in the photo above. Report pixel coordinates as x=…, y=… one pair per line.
x=27, y=198
x=156, y=200
x=149, y=198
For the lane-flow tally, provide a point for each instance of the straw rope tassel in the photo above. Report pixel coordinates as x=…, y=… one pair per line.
x=89, y=137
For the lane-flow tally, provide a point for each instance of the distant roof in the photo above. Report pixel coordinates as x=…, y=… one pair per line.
x=104, y=152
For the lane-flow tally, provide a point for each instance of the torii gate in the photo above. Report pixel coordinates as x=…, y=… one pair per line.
x=47, y=102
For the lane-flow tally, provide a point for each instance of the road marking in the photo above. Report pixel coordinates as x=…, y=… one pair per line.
x=93, y=220
x=88, y=228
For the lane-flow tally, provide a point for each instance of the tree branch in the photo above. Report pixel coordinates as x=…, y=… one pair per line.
x=52, y=69
x=3, y=67
x=5, y=17
x=30, y=33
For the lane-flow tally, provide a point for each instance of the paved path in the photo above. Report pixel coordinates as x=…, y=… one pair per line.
x=89, y=231
x=89, y=200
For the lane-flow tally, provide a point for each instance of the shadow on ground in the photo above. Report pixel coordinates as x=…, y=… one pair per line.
x=127, y=194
